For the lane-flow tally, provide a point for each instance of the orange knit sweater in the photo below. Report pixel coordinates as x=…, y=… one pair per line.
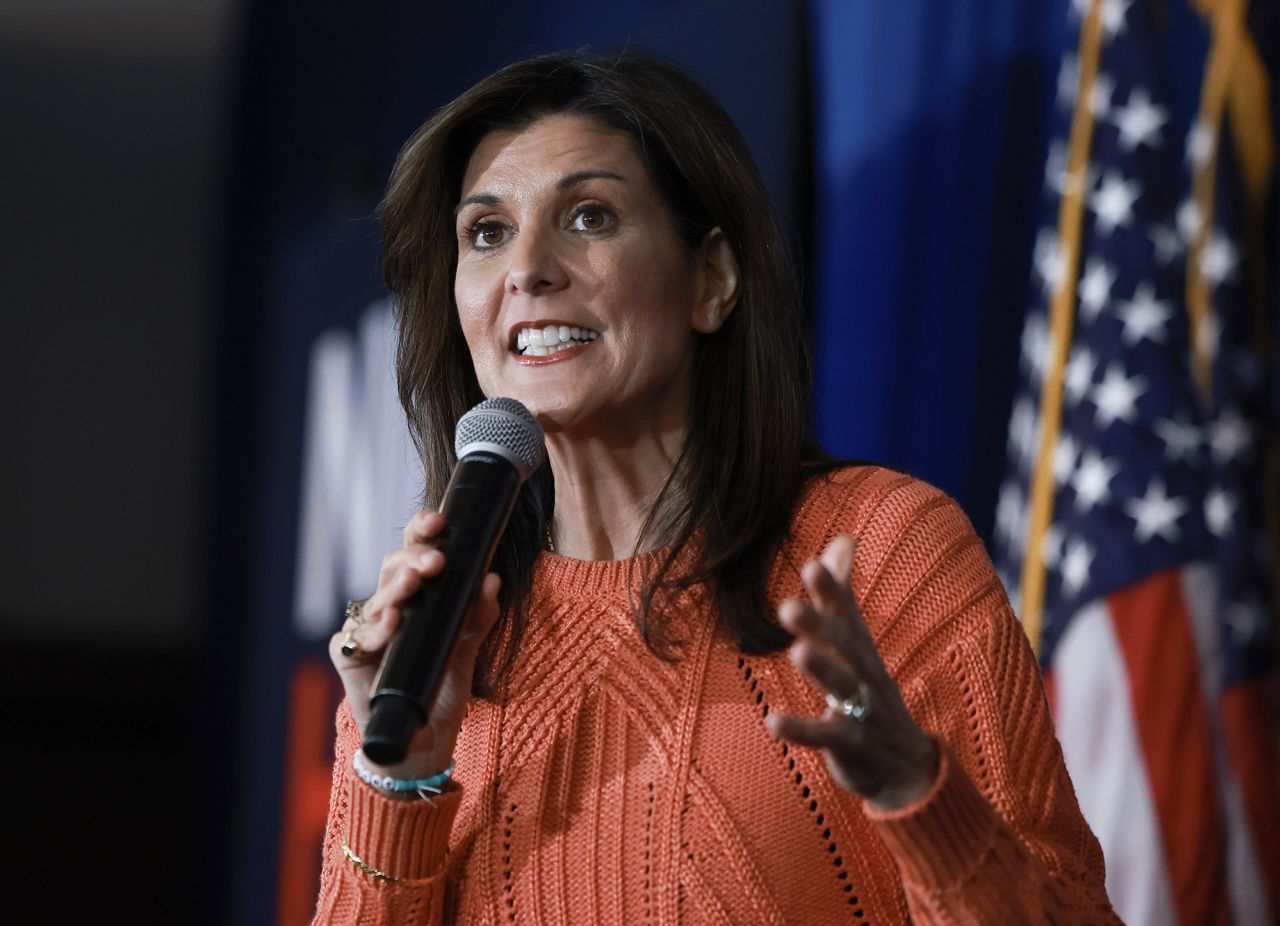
x=604, y=785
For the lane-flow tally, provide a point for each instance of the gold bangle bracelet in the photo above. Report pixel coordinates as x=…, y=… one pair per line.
x=365, y=866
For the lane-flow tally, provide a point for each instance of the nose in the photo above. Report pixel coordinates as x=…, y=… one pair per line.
x=535, y=266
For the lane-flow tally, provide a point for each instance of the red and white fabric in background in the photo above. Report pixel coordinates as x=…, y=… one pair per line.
x=1131, y=525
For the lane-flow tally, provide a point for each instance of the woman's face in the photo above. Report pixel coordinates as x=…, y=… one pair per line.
x=574, y=292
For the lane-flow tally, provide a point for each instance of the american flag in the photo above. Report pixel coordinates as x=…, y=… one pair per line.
x=1130, y=529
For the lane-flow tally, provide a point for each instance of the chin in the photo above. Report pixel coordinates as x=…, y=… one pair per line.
x=559, y=414
x=555, y=418
x=553, y=410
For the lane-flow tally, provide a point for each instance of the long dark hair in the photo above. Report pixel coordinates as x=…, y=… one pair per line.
x=748, y=446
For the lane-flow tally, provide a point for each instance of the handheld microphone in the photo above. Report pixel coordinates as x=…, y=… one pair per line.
x=499, y=445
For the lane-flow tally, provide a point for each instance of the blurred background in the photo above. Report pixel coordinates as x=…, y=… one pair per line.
x=203, y=461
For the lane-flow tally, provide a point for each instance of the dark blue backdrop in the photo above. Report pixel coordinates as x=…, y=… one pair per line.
x=903, y=143
x=930, y=122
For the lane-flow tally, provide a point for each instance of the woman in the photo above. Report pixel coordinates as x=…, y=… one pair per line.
x=714, y=676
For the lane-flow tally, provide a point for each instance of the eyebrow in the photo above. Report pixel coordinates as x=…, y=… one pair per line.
x=580, y=176
x=564, y=183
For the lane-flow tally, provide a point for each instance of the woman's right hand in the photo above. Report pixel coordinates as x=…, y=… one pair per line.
x=403, y=572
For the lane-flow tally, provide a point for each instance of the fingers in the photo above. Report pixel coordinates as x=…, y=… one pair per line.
x=425, y=560
x=816, y=732
x=827, y=578
x=830, y=630
x=833, y=618
x=873, y=746
x=838, y=559
x=407, y=575
x=348, y=651
x=403, y=573
x=379, y=623
x=369, y=637
x=831, y=672
x=403, y=570
x=423, y=526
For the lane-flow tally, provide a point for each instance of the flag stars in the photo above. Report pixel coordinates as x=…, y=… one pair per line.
x=1113, y=16
x=1201, y=142
x=1011, y=516
x=1112, y=203
x=1035, y=345
x=1064, y=458
x=1144, y=316
x=1219, y=259
x=1056, y=175
x=1139, y=121
x=1051, y=545
x=1181, y=437
x=1246, y=621
x=1156, y=514
x=1015, y=600
x=1048, y=261
x=1117, y=397
x=1229, y=436
x=1092, y=480
x=1167, y=243
x=1188, y=220
x=1219, y=511
x=1095, y=288
x=1078, y=377
x=1023, y=431
x=1100, y=95
x=1076, y=563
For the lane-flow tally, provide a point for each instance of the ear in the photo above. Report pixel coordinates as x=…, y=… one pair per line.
x=718, y=293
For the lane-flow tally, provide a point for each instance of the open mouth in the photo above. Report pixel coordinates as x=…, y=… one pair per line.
x=551, y=339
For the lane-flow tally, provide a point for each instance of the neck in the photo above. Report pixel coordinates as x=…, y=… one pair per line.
x=606, y=486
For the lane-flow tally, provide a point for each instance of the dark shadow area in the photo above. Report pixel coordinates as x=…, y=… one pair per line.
x=104, y=802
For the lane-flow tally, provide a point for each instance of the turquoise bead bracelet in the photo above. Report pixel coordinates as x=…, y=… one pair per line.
x=432, y=785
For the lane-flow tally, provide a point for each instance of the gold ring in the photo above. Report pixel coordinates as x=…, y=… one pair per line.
x=349, y=645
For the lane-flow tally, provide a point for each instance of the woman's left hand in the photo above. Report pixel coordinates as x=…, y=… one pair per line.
x=872, y=744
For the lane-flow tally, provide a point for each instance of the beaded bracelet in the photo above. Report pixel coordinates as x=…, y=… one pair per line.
x=425, y=787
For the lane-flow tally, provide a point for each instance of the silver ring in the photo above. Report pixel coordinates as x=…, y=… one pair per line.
x=354, y=613
x=856, y=705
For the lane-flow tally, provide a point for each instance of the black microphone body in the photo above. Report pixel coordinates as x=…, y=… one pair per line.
x=476, y=506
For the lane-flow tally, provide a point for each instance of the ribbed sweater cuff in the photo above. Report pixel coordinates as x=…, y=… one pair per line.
x=405, y=839
x=940, y=840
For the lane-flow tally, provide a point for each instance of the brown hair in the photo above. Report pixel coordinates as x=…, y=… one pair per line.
x=744, y=460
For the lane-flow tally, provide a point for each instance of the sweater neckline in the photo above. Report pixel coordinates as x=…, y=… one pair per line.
x=607, y=576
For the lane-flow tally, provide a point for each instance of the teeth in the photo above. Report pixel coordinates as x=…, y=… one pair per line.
x=539, y=342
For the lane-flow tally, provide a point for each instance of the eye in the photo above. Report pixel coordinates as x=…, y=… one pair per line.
x=591, y=218
x=486, y=235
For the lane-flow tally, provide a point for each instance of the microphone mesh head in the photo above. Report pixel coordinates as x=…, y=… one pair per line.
x=505, y=427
